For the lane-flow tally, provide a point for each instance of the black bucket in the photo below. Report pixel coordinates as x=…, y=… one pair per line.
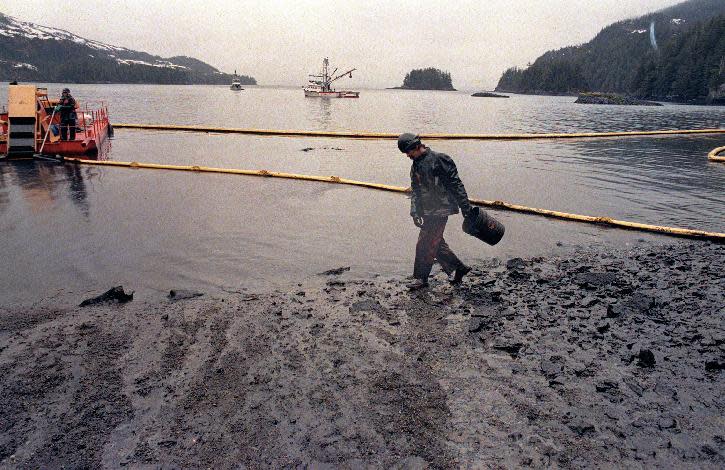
x=484, y=227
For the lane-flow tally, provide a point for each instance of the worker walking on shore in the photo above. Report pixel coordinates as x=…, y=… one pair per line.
x=437, y=192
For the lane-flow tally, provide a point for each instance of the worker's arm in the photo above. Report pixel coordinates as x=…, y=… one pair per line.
x=453, y=183
x=415, y=209
x=70, y=104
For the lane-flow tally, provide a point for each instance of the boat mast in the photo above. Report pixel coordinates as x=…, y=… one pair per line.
x=325, y=76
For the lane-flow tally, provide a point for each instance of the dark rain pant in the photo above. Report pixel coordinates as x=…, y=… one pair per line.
x=432, y=247
x=65, y=126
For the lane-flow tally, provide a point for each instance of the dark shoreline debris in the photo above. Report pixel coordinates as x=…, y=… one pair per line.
x=334, y=272
x=646, y=358
x=613, y=99
x=519, y=366
x=115, y=294
x=309, y=149
x=488, y=94
x=183, y=294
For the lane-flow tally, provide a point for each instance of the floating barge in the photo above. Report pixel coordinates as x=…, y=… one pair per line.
x=29, y=127
x=320, y=86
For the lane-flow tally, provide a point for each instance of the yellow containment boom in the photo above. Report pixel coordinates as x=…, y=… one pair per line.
x=672, y=231
x=387, y=135
x=715, y=156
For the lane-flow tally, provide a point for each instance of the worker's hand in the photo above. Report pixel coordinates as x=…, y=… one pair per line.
x=57, y=108
x=418, y=221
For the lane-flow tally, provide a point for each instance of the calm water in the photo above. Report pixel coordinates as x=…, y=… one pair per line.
x=85, y=229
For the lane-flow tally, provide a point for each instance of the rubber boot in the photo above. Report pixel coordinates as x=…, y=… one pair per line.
x=417, y=284
x=458, y=274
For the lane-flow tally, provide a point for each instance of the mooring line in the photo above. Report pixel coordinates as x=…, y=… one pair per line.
x=434, y=136
x=607, y=221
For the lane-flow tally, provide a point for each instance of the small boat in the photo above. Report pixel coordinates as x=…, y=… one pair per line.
x=320, y=86
x=29, y=125
x=236, y=84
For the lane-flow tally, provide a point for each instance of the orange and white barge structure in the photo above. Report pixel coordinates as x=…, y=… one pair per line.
x=28, y=126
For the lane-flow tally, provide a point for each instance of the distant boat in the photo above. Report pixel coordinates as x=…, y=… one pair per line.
x=320, y=86
x=236, y=84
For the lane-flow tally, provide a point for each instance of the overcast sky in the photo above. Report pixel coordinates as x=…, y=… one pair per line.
x=280, y=42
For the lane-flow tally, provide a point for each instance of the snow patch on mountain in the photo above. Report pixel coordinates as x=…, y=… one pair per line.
x=160, y=63
x=19, y=65
x=14, y=27
x=23, y=65
x=62, y=55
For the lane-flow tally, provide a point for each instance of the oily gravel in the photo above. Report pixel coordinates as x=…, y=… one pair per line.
x=591, y=359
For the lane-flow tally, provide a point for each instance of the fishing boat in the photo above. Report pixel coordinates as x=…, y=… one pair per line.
x=320, y=85
x=30, y=126
x=236, y=83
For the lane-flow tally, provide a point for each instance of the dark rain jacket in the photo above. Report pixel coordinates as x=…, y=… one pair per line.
x=436, y=188
x=67, y=108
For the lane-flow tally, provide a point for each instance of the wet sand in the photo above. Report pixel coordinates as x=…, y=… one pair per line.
x=593, y=359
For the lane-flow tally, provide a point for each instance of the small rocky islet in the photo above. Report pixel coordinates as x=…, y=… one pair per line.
x=613, y=99
x=488, y=94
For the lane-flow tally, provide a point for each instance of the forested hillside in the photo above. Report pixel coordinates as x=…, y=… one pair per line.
x=675, y=53
x=30, y=52
x=689, y=66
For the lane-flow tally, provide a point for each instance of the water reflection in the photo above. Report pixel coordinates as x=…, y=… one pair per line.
x=42, y=183
x=77, y=188
x=320, y=111
x=4, y=198
x=36, y=181
x=104, y=151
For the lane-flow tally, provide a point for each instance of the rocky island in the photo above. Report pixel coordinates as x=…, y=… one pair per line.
x=609, y=98
x=487, y=94
x=427, y=79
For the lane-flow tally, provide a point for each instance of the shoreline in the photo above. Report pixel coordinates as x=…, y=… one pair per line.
x=590, y=358
x=703, y=101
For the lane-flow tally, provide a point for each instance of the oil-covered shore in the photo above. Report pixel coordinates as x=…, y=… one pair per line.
x=591, y=359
